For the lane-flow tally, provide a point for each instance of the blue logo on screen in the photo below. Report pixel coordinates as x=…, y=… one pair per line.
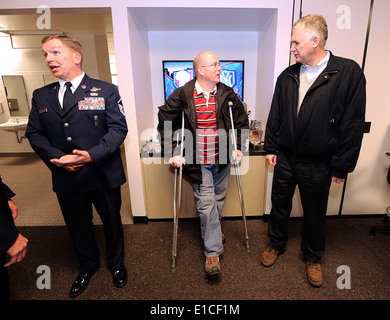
x=228, y=77
x=181, y=77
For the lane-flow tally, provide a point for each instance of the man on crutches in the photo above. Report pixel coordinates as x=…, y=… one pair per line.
x=204, y=101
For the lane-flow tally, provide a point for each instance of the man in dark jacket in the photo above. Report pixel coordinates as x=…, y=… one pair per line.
x=313, y=136
x=12, y=243
x=77, y=126
x=204, y=101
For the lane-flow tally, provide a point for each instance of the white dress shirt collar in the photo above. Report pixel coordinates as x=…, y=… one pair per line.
x=75, y=83
x=200, y=90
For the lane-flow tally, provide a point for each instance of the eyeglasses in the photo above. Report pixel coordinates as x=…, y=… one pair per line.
x=214, y=65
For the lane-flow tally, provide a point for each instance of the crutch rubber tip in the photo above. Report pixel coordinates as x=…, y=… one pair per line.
x=173, y=269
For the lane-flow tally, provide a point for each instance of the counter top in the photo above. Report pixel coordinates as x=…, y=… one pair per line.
x=144, y=154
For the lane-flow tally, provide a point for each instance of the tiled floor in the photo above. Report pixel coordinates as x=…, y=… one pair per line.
x=30, y=179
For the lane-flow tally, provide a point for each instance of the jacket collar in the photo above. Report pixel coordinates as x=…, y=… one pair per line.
x=331, y=67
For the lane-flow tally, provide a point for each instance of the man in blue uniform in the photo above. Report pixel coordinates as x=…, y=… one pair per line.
x=76, y=126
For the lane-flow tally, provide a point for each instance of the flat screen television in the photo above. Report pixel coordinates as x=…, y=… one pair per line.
x=178, y=72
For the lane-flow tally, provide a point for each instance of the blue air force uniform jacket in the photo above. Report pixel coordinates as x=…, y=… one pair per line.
x=94, y=122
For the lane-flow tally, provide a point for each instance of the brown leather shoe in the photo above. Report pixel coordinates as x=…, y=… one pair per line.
x=269, y=257
x=212, y=266
x=314, y=273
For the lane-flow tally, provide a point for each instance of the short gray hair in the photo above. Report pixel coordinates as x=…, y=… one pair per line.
x=316, y=23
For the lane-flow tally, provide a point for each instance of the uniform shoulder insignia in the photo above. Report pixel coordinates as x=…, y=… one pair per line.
x=121, y=108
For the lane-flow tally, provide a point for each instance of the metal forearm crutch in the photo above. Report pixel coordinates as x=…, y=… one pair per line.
x=177, y=197
x=239, y=185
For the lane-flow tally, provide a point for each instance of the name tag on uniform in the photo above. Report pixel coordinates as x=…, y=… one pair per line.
x=92, y=103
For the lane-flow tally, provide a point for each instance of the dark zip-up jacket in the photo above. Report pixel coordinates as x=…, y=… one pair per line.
x=182, y=99
x=330, y=123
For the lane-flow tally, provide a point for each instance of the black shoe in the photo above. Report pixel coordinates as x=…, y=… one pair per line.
x=81, y=283
x=119, y=276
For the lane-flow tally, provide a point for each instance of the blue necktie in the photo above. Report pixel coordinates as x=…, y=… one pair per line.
x=67, y=95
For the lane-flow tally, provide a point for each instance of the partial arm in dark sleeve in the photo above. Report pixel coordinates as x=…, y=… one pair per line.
x=351, y=127
x=241, y=122
x=169, y=120
x=273, y=123
x=8, y=231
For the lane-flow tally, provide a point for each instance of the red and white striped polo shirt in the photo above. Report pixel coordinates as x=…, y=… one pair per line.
x=207, y=125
